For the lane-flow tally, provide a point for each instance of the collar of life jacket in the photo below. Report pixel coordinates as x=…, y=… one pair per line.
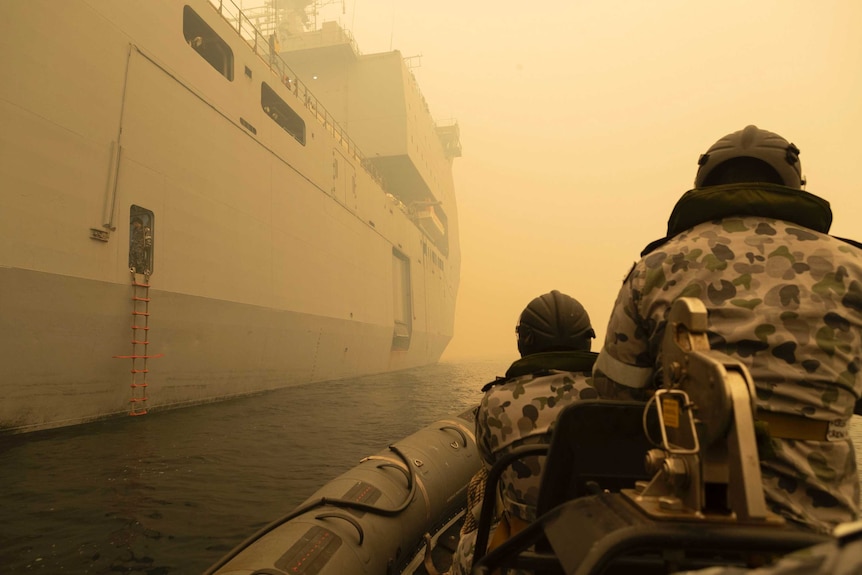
x=760, y=199
x=751, y=199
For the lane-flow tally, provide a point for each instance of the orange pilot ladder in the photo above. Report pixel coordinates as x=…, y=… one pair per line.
x=140, y=341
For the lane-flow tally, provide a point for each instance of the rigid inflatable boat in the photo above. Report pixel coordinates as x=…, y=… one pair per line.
x=385, y=515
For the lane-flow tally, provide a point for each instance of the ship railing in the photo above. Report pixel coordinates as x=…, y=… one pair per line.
x=265, y=46
x=265, y=20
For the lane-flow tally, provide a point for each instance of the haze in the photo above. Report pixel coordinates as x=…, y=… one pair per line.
x=581, y=123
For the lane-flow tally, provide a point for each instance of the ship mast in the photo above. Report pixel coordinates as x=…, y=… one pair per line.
x=290, y=17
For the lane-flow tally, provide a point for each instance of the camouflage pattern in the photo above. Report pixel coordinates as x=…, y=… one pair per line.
x=519, y=412
x=784, y=300
x=462, y=560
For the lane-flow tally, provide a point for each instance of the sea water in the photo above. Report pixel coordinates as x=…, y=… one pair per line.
x=172, y=492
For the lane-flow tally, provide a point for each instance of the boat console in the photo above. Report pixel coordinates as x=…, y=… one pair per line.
x=664, y=486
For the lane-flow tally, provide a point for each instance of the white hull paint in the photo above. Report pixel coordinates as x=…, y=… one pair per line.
x=270, y=267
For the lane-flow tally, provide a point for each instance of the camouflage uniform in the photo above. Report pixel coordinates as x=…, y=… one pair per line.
x=520, y=409
x=784, y=300
x=462, y=559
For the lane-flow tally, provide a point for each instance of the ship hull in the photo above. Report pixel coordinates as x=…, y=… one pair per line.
x=60, y=339
x=269, y=267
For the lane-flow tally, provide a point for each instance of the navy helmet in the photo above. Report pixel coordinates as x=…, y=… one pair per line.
x=554, y=322
x=750, y=155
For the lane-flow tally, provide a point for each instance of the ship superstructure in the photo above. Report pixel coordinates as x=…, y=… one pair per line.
x=199, y=203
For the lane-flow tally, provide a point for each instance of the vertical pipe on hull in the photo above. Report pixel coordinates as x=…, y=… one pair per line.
x=116, y=153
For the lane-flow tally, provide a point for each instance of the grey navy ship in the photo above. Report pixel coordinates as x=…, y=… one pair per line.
x=200, y=202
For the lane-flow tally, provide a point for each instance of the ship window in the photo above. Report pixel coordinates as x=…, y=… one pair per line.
x=141, y=240
x=403, y=307
x=207, y=43
x=281, y=113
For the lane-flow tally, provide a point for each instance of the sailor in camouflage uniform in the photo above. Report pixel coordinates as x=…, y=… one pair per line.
x=783, y=297
x=554, y=339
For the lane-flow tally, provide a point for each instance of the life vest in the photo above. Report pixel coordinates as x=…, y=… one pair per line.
x=759, y=199
x=537, y=363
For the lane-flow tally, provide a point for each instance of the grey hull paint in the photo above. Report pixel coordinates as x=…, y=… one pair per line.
x=61, y=334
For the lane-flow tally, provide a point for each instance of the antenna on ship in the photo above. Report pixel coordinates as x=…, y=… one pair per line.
x=318, y=4
x=288, y=18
